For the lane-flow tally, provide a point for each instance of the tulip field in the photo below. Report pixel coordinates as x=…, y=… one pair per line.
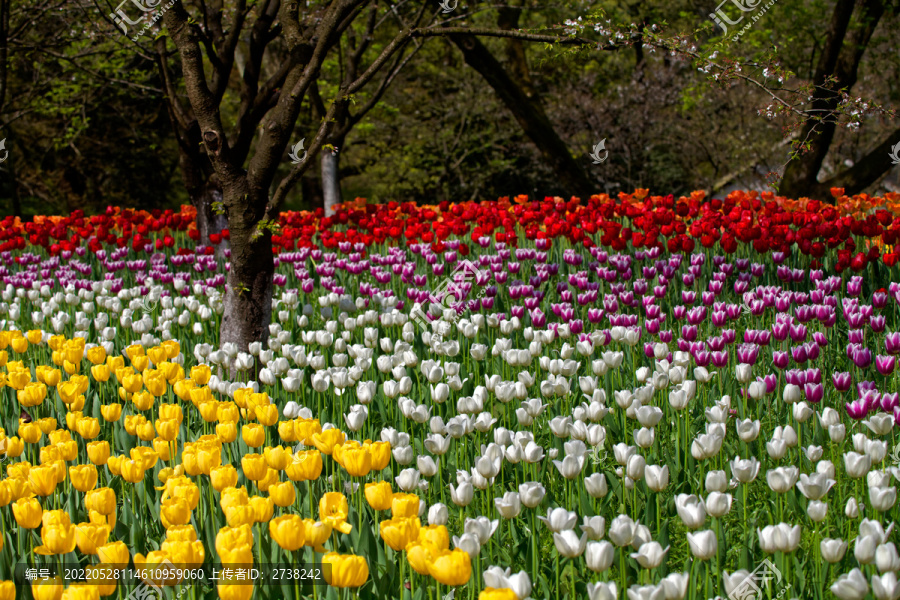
x=636, y=397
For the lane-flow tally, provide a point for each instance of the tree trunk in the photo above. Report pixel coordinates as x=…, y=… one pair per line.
x=248, y=298
x=837, y=69
x=204, y=190
x=529, y=113
x=331, y=181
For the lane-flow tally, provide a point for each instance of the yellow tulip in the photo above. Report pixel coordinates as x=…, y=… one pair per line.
x=98, y=452
x=327, y=440
x=29, y=432
x=226, y=432
x=435, y=535
x=283, y=494
x=286, y=431
x=223, y=476
x=356, y=461
x=27, y=512
x=101, y=500
x=115, y=362
x=172, y=348
x=32, y=394
x=243, y=514
x=145, y=431
x=111, y=412
x=114, y=553
x=42, y=480
x=174, y=511
x=334, y=510
x=102, y=578
x=132, y=383
x=155, y=383
x=19, y=344
x=68, y=449
x=47, y=424
x=253, y=434
x=497, y=594
x=380, y=496
x=398, y=533
x=47, y=589
x=418, y=554
x=263, y=508
x=140, y=363
x=254, y=466
x=96, y=355
x=35, y=336
x=84, y=477
x=100, y=373
x=267, y=415
x=88, y=427
x=201, y=374
x=157, y=354
x=56, y=539
x=278, y=457
x=171, y=411
x=287, y=531
x=381, y=455
x=232, y=537
x=316, y=533
x=229, y=590
x=345, y=570
x=404, y=505
x=132, y=471
x=451, y=567
x=14, y=446
x=7, y=590
x=167, y=429
x=89, y=536
x=305, y=466
x=267, y=481
x=234, y=496
x=147, y=456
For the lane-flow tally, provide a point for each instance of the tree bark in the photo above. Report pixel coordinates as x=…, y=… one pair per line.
x=841, y=55
x=528, y=112
x=331, y=181
x=248, y=296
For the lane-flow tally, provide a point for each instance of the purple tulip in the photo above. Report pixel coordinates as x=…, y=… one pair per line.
x=872, y=400
x=798, y=333
x=820, y=338
x=702, y=358
x=719, y=359
x=892, y=342
x=885, y=364
x=780, y=359
x=729, y=336
x=889, y=402
x=780, y=331
x=856, y=410
x=814, y=392
x=795, y=376
x=771, y=381
x=748, y=353
x=842, y=381
x=799, y=354
x=861, y=357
